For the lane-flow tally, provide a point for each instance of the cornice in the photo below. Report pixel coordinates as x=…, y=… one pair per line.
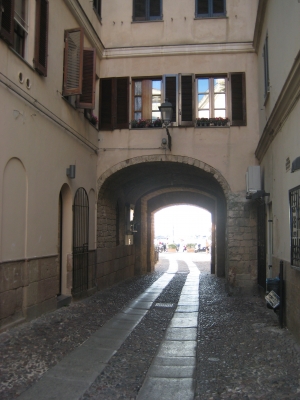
x=288, y=98
x=84, y=22
x=189, y=49
x=260, y=16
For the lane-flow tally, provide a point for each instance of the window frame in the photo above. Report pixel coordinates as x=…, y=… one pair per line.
x=146, y=97
x=147, y=17
x=266, y=67
x=40, y=60
x=97, y=7
x=210, y=13
x=212, y=92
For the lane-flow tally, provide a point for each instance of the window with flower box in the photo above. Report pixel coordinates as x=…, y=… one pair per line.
x=221, y=97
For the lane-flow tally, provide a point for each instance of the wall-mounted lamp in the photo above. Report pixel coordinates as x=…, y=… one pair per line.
x=71, y=172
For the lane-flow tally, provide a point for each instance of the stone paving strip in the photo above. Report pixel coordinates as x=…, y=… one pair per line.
x=172, y=373
x=72, y=376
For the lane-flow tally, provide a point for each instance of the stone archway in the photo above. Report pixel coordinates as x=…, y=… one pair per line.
x=134, y=183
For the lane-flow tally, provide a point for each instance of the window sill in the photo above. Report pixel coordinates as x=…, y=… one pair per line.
x=212, y=126
x=212, y=17
x=23, y=59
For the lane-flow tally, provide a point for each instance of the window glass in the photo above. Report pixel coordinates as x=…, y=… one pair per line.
x=156, y=99
x=218, y=7
x=97, y=7
x=211, y=97
x=20, y=27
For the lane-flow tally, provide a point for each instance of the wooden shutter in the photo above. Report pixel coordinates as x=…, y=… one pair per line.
x=41, y=36
x=73, y=62
x=7, y=20
x=238, y=98
x=121, y=103
x=106, y=105
x=170, y=91
x=139, y=10
x=186, y=100
x=87, y=97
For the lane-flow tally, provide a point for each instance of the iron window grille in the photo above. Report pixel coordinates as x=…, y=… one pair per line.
x=294, y=195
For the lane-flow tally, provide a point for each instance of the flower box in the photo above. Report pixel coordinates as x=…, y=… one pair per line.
x=203, y=122
x=146, y=123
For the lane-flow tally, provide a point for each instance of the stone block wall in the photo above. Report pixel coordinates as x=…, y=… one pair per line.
x=28, y=288
x=242, y=245
x=114, y=265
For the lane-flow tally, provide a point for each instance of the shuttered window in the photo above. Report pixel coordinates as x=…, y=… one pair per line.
x=7, y=20
x=87, y=97
x=186, y=100
x=114, y=103
x=41, y=36
x=170, y=92
x=73, y=62
x=145, y=10
x=210, y=8
x=238, y=98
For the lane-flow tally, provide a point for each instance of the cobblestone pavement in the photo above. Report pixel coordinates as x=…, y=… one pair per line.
x=241, y=353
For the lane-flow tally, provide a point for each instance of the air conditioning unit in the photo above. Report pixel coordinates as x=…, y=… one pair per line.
x=253, y=181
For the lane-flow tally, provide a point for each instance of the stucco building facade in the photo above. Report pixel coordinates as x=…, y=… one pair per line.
x=81, y=83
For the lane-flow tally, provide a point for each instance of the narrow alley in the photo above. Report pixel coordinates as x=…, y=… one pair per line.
x=173, y=334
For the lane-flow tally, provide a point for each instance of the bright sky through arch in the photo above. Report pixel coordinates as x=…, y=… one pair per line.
x=182, y=222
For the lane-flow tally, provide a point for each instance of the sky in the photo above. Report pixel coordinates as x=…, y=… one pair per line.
x=182, y=223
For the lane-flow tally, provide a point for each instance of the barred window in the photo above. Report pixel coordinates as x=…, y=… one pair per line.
x=295, y=226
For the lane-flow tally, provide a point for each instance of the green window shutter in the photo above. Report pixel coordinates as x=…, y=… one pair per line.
x=186, y=99
x=7, y=21
x=41, y=36
x=106, y=104
x=73, y=62
x=122, y=103
x=87, y=97
x=238, y=98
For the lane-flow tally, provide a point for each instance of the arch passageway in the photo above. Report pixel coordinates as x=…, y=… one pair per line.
x=131, y=193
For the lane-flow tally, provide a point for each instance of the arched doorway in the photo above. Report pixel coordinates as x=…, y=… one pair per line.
x=146, y=185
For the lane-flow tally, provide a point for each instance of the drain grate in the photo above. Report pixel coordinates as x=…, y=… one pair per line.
x=169, y=305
